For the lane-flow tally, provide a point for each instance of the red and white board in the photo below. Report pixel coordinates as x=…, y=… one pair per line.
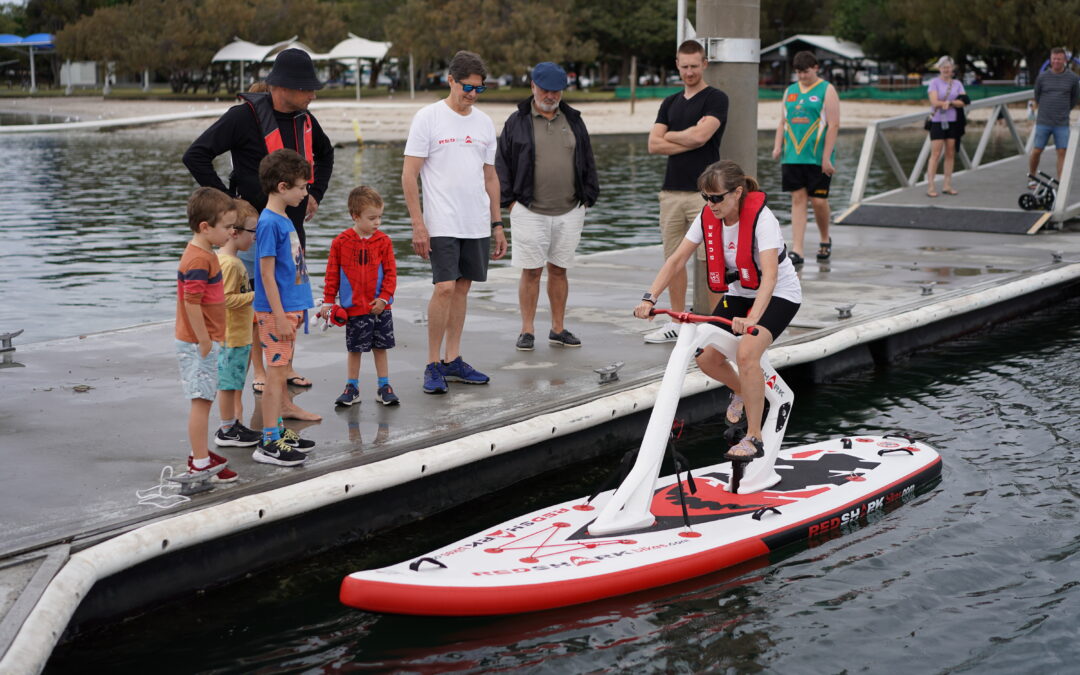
x=547, y=558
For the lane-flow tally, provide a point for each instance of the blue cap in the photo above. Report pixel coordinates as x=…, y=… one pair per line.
x=549, y=76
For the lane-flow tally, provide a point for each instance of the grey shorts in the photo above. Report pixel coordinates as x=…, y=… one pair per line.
x=198, y=374
x=453, y=258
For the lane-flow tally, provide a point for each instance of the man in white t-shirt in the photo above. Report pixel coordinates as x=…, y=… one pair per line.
x=451, y=149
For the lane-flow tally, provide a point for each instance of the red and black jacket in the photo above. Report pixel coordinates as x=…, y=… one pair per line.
x=747, y=273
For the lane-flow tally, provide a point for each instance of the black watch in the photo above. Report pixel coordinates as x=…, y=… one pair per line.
x=496, y=223
x=649, y=298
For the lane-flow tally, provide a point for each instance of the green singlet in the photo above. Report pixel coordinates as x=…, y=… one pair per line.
x=804, y=136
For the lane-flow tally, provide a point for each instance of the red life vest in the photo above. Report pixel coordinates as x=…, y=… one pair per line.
x=262, y=106
x=749, y=276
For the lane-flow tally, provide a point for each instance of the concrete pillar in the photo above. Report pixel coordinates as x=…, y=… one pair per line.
x=736, y=74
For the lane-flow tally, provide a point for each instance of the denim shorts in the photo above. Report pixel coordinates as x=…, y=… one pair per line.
x=198, y=375
x=1043, y=132
x=232, y=367
x=370, y=331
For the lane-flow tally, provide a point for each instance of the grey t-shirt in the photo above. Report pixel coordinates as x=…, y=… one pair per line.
x=553, y=172
x=1056, y=94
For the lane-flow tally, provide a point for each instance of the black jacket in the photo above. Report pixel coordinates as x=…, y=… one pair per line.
x=237, y=131
x=516, y=157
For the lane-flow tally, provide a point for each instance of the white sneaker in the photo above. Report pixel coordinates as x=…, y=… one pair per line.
x=669, y=332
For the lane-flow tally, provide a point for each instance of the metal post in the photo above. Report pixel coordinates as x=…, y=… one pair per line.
x=412, y=78
x=633, y=82
x=359, y=73
x=736, y=21
x=1061, y=204
x=33, y=74
x=680, y=28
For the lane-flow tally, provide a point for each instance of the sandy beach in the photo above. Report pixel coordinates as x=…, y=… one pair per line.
x=387, y=119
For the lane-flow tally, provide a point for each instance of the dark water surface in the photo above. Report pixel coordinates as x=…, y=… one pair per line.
x=978, y=575
x=94, y=223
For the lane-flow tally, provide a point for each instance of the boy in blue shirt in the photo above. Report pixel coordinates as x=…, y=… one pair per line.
x=282, y=294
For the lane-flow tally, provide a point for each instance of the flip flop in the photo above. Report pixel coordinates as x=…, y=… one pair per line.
x=257, y=386
x=299, y=381
x=795, y=258
x=950, y=192
x=931, y=194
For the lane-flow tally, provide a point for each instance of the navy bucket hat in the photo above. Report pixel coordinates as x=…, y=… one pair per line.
x=549, y=76
x=293, y=69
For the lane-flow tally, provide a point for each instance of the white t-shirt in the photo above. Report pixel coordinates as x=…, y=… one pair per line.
x=768, y=237
x=455, y=149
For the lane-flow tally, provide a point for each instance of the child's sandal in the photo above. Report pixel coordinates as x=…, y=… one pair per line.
x=824, y=250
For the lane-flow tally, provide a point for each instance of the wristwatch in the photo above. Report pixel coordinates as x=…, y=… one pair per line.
x=649, y=298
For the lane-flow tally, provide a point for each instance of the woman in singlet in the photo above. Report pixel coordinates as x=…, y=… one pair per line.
x=945, y=92
x=764, y=291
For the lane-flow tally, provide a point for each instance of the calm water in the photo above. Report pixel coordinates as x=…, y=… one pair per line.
x=95, y=223
x=977, y=575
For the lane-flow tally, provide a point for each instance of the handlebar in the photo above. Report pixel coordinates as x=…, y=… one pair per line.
x=688, y=317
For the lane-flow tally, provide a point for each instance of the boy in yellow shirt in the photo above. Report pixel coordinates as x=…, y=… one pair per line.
x=239, y=315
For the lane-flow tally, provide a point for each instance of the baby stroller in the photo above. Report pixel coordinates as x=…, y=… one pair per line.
x=1042, y=195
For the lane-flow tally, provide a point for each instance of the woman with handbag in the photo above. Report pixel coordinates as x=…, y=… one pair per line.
x=945, y=130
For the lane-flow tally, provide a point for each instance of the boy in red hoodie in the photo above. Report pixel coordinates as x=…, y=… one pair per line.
x=361, y=272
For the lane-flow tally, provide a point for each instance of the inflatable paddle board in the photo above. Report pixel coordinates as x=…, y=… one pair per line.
x=651, y=530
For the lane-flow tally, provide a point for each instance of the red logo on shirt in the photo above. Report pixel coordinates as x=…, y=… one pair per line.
x=731, y=246
x=468, y=139
x=443, y=141
x=792, y=98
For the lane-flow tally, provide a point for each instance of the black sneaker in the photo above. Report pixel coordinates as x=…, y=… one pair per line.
x=563, y=339
x=294, y=441
x=238, y=436
x=278, y=452
x=525, y=342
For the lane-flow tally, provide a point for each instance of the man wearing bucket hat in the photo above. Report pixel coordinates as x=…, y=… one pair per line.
x=265, y=122
x=547, y=179
x=259, y=125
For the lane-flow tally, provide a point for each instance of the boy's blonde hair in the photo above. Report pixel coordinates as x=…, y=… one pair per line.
x=362, y=198
x=207, y=205
x=244, y=210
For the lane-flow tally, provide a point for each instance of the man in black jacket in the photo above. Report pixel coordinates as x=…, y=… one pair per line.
x=260, y=124
x=265, y=122
x=547, y=177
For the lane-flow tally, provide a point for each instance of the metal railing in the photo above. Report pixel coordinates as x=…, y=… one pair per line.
x=999, y=110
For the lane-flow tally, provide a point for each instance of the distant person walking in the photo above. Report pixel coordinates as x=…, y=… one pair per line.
x=806, y=137
x=451, y=148
x=947, y=96
x=688, y=129
x=1056, y=92
x=547, y=179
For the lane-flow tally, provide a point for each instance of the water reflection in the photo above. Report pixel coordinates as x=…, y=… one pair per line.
x=95, y=223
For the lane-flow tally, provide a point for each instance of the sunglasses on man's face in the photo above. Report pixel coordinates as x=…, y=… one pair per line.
x=715, y=199
x=478, y=88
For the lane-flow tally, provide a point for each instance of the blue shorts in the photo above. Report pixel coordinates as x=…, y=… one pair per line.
x=1044, y=131
x=232, y=367
x=370, y=331
x=198, y=375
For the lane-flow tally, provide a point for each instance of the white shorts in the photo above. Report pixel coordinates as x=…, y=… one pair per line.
x=539, y=239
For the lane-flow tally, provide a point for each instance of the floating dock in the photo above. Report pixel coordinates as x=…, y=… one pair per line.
x=90, y=533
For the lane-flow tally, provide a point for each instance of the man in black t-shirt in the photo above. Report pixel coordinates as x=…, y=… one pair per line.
x=688, y=130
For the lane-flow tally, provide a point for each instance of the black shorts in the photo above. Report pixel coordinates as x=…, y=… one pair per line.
x=776, y=318
x=453, y=258
x=939, y=134
x=805, y=176
x=370, y=331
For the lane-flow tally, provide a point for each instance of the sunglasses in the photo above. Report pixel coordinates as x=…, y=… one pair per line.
x=478, y=88
x=715, y=199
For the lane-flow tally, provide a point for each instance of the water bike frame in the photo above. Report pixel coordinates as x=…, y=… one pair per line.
x=628, y=508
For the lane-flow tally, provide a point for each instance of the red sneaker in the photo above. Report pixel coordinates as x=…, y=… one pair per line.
x=226, y=475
